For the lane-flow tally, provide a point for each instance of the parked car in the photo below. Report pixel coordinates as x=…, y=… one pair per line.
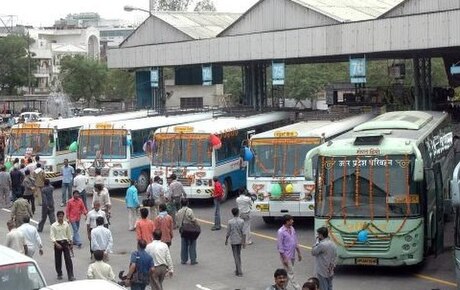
x=85, y=284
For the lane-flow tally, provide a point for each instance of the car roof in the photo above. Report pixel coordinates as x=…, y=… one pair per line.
x=85, y=284
x=10, y=256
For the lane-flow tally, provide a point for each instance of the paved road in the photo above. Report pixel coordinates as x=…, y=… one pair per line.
x=215, y=268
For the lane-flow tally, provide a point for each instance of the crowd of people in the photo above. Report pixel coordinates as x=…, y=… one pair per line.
x=154, y=220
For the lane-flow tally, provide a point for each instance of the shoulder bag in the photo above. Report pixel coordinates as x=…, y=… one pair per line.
x=189, y=231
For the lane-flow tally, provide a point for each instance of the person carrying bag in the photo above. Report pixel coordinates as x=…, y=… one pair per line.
x=189, y=231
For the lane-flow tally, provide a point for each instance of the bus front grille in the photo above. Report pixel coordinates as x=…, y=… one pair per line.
x=295, y=196
x=374, y=243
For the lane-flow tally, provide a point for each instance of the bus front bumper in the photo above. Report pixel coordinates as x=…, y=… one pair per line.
x=402, y=260
x=281, y=208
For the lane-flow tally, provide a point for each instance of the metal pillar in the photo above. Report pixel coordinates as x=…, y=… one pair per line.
x=422, y=83
x=255, y=85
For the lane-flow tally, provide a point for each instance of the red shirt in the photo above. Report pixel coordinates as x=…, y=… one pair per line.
x=74, y=209
x=144, y=230
x=218, y=191
x=165, y=224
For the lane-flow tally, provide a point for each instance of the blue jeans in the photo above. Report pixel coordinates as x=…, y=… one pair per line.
x=83, y=196
x=188, y=247
x=66, y=192
x=325, y=282
x=76, y=234
x=217, y=213
x=138, y=286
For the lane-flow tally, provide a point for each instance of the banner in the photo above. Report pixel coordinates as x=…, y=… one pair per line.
x=207, y=75
x=358, y=70
x=154, y=77
x=278, y=73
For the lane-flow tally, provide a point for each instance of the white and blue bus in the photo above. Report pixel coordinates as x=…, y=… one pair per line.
x=51, y=140
x=277, y=166
x=187, y=151
x=117, y=149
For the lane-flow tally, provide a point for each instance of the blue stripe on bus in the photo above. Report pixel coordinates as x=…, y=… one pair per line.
x=238, y=178
x=136, y=171
x=227, y=160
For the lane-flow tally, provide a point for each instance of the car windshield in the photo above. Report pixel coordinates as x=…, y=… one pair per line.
x=30, y=141
x=182, y=150
x=23, y=276
x=366, y=186
x=102, y=143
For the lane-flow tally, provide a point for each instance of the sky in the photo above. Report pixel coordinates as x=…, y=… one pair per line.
x=44, y=12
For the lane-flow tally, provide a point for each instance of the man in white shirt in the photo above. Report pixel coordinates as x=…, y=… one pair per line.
x=91, y=220
x=99, y=269
x=79, y=183
x=101, y=194
x=33, y=240
x=15, y=239
x=162, y=260
x=244, y=204
x=101, y=238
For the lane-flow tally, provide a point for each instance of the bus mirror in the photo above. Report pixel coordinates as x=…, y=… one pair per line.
x=418, y=169
x=308, y=165
x=455, y=186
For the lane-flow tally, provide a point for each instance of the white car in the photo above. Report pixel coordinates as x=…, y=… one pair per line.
x=31, y=117
x=85, y=284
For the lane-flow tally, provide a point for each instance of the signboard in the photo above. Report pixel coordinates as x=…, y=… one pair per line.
x=455, y=69
x=154, y=77
x=278, y=73
x=207, y=75
x=358, y=70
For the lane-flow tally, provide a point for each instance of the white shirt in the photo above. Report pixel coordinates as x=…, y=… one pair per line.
x=93, y=215
x=30, y=233
x=101, y=239
x=244, y=203
x=100, y=270
x=103, y=197
x=160, y=254
x=79, y=182
x=15, y=240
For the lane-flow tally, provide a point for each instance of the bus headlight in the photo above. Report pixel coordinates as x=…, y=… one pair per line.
x=48, y=168
x=408, y=238
x=115, y=173
x=198, y=182
x=406, y=247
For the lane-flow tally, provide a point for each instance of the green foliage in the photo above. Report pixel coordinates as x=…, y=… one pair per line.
x=13, y=63
x=232, y=81
x=83, y=77
x=205, y=5
x=120, y=85
x=173, y=5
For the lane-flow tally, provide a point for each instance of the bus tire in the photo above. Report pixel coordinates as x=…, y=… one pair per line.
x=143, y=182
x=227, y=189
x=269, y=219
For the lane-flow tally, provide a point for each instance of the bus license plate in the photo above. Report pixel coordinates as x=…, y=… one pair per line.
x=367, y=261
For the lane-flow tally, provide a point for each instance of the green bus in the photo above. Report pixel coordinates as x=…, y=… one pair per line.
x=383, y=188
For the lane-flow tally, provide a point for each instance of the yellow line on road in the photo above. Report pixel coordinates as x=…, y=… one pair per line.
x=420, y=276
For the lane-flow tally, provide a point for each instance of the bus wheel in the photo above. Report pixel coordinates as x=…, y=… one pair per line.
x=142, y=182
x=269, y=219
x=227, y=190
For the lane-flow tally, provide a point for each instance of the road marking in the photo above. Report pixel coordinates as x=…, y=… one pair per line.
x=9, y=211
x=420, y=276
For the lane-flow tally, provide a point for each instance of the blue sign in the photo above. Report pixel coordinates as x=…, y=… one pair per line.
x=358, y=70
x=207, y=75
x=154, y=77
x=455, y=69
x=278, y=73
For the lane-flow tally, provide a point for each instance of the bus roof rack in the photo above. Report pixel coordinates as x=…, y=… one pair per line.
x=409, y=120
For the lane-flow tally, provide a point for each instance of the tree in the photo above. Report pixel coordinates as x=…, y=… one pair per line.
x=83, y=77
x=173, y=5
x=120, y=85
x=205, y=5
x=13, y=63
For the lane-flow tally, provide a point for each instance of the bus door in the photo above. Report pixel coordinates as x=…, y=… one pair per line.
x=438, y=243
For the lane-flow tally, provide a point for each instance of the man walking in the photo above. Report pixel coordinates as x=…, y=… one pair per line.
x=79, y=183
x=29, y=189
x=176, y=193
x=16, y=181
x=287, y=247
x=100, y=269
x=20, y=209
x=61, y=236
x=39, y=175
x=101, y=194
x=144, y=227
x=67, y=173
x=155, y=192
x=15, y=239
x=32, y=237
x=237, y=239
x=162, y=261
x=217, y=195
x=91, y=221
x=132, y=203
x=74, y=210
x=281, y=280
x=47, y=205
x=325, y=253
x=244, y=203
x=101, y=238
x=140, y=268
x=188, y=247
x=165, y=224
x=5, y=186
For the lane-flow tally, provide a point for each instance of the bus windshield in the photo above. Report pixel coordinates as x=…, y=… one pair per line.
x=107, y=144
x=182, y=150
x=31, y=141
x=24, y=276
x=366, y=186
x=278, y=159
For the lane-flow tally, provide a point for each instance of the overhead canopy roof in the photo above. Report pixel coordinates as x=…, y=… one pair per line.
x=198, y=25
x=350, y=10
